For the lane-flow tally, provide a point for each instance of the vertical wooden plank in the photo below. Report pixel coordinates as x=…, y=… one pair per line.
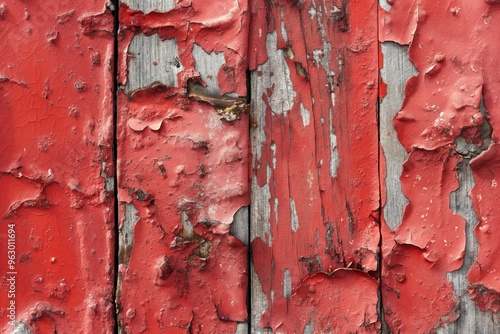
x=56, y=169
x=183, y=167
x=315, y=189
x=430, y=246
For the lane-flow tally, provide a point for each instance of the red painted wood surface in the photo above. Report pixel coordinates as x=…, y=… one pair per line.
x=184, y=170
x=323, y=258
x=315, y=153
x=56, y=167
x=454, y=48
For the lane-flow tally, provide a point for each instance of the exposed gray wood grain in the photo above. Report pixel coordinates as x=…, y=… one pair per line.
x=242, y=328
x=208, y=65
x=471, y=319
x=152, y=60
x=397, y=68
x=258, y=303
x=240, y=226
x=150, y=5
x=276, y=74
x=126, y=230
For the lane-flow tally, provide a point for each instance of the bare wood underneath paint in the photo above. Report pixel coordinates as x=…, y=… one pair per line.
x=397, y=69
x=153, y=61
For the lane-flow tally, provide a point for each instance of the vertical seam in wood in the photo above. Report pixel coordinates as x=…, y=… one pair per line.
x=249, y=213
x=380, y=210
x=116, y=4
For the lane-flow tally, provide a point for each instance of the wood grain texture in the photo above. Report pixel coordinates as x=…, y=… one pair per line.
x=420, y=115
x=149, y=6
x=152, y=61
x=183, y=167
x=315, y=190
x=395, y=71
x=471, y=319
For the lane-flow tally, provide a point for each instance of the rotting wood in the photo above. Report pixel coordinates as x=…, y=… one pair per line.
x=183, y=166
x=315, y=190
x=56, y=167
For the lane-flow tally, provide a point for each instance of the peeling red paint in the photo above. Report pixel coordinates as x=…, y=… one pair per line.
x=323, y=199
x=344, y=302
x=442, y=104
x=483, y=277
x=183, y=166
x=56, y=134
x=185, y=171
x=223, y=28
x=416, y=294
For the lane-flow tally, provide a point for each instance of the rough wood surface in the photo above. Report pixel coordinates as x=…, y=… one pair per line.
x=443, y=225
x=148, y=6
x=395, y=71
x=315, y=190
x=152, y=61
x=183, y=166
x=471, y=320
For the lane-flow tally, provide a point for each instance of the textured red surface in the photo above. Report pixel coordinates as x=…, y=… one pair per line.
x=319, y=163
x=339, y=303
x=442, y=103
x=185, y=170
x=56, y=134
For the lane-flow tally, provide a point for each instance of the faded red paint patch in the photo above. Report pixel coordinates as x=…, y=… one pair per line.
x=56, y=167
x=323, y=198
x=441, y=104
x=183, y=173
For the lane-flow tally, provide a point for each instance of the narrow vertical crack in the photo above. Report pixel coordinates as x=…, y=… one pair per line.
x=380, y=202
x=249, y=247
x=116, y=4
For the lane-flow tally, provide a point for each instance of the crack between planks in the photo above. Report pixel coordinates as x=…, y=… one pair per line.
x=384, y=328
x=249, y=220
x=116, y=4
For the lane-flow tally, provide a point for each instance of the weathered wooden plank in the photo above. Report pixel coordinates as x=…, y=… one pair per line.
x=56, y=167
x=183, y=167
x=440, y=124
x=315, y=189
